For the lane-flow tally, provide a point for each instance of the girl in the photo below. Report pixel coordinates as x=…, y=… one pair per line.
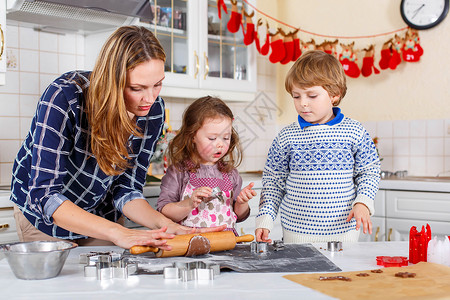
x=84, y=160
x=202, y=156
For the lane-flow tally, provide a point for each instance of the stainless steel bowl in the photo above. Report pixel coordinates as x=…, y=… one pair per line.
x=37, y=260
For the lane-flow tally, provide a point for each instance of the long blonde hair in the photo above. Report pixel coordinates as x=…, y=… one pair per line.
x=110, y=125
x=182, y=152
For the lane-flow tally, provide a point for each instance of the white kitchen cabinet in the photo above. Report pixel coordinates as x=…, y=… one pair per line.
x=8, y=233
x=202, y=56
x=2, y=42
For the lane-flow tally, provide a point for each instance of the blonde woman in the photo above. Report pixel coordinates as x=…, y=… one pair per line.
x=83, y=163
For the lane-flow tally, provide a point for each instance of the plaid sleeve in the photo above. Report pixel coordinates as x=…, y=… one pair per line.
x=51, y=144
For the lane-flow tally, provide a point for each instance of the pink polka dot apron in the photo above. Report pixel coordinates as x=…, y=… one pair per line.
x=215, y=212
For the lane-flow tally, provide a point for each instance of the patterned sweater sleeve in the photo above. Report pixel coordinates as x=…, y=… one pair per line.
x=366, y=171
x=274, y=179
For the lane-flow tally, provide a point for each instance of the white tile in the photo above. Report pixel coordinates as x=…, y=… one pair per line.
x=9, y=105
x=48, y=62
x=371, y=128
x=447, y=127
x=435, y=146
x=400, y=146
x=435, y=165
x=12, y=83
x=9, y=128
x=25, y=124
x=435, y=128
x=12, y=38
x=29, y=83
x=67, y=43
x=418, y=128
x=384, y=129
x=28, y=60
x=418, y=166
x=418, y=146
x=446, y=166
x=387, y=163
x=67, y=62
x=401, y=163
x=80, y=62
x=28, y=104
x=5, y=173
x=45, y=80
x=80, y=44
x=447, y=146
x=9, y=150
x=28, y=38
x=401, y=128
x=385, y=147
x=48, y=42
x=12, y=59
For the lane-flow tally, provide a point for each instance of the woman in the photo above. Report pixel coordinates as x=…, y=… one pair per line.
x=84, y=161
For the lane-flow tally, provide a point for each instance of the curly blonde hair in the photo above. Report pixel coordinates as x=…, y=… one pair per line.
x=110, y=124
x=182, y=152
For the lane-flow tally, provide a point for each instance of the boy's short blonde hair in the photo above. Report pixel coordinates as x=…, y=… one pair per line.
x=317, y=68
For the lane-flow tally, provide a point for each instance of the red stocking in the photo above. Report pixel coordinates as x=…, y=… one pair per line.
x=395, y=60
x=385, y=58
x=234, y=22
x=289, y=49
x=354, y=71
x=249, y=35
x=367, y=65
x=297, y=49
x=278, y=51
x=266, y=47
x=221, y=4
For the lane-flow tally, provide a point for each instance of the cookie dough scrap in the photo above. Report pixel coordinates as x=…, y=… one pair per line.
x=198, y=245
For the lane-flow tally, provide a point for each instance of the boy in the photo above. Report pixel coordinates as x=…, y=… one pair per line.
x=323, y=170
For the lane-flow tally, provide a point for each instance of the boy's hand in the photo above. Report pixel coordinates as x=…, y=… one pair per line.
x=262, y=235
x=246, y=194
x=361, y=214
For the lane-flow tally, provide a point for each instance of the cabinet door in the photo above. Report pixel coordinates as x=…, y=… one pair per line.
x=2, y=42
x=398, y=229
x=226, y=62
x=8, y=232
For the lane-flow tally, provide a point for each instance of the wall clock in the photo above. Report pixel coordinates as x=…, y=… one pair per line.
x=424, y=14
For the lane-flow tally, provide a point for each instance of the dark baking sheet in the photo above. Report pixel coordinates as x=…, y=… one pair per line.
x=294, y=258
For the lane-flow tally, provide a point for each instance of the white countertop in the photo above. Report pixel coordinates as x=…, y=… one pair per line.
x=71, y=283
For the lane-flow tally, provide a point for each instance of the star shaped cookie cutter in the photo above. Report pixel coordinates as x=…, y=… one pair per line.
x=196, y=270
x=107, y=265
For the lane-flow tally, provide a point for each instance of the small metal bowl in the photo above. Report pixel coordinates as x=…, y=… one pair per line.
x=37, y=260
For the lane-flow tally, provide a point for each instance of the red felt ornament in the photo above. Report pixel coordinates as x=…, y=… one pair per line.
x=412, y=51
x=264, y=49
x=277, y=46
x=221, y=5
x=418, y=244
x=396, y=58
x=386, y=54
x=249, y=33
x=348, y=60
x=368, y=62
x=307, y=46
x=288, y=43
x=297, y=49
x=328, y=47
x=235, y=19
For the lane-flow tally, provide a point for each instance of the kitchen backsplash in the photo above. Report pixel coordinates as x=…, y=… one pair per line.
x=34, y=59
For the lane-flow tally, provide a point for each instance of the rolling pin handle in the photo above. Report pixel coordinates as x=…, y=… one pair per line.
x=244, y=238
x=142, y=249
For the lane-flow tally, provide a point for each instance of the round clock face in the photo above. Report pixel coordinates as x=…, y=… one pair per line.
x=423, y=14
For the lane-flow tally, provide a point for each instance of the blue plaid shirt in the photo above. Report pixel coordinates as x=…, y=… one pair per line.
x=55, y=164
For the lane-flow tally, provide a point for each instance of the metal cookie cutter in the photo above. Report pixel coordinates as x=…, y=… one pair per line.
x=278, y=245
x=259, y=247
x=217, y=193
x=334, y=246
x=196, y=270
x=107, y=265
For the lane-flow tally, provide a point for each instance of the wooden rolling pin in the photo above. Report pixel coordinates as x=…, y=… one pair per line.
x=219, y=241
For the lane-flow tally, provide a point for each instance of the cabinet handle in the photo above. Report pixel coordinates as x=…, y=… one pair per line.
x=197, y=65
x=390, y=233
x=4, y=226
x=3, y=42
x=376, y=234
x=206, y=66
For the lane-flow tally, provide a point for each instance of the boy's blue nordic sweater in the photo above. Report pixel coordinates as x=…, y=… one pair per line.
x=313, y=176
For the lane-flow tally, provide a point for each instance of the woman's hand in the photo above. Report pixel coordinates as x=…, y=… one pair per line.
x=126, y=238
x=362, y=216
x=246, y=194
x=262, y=235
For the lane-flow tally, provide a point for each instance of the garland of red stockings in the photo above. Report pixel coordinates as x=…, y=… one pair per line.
x=286, y=46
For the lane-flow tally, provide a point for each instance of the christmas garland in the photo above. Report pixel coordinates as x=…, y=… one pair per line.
x=282, y=46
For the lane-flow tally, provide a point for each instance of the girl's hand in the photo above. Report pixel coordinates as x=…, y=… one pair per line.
x=361, y=214
x=199, y=195
x=262, y=235
x=246, y=194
